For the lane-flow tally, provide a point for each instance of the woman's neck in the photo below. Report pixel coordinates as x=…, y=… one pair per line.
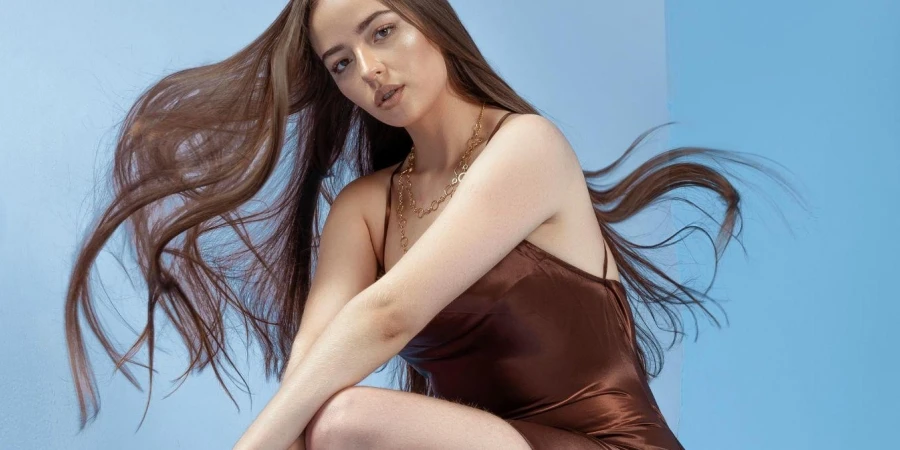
x=442, y=135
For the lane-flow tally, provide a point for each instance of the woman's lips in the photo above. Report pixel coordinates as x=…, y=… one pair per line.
x=394, y=99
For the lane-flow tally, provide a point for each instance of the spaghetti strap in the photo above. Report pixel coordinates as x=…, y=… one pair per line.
x=498, y=125
x=387, y=217
x=605, y=255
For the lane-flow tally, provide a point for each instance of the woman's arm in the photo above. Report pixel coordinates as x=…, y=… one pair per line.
x=361, y=338
x=345, y=263
x=516, y=184
x=300, y=443
x=344, y=267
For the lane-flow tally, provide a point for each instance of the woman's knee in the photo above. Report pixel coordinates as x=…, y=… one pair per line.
x=343, y=421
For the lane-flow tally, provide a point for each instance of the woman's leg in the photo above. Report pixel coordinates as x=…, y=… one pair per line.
x=375, y=418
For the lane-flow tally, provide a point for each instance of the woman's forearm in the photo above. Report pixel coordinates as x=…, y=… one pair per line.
x=293, y=362
x=300, y=443
x=359, y=339
x=294, y=358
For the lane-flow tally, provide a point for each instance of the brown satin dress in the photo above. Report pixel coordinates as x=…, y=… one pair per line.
x=549, y=348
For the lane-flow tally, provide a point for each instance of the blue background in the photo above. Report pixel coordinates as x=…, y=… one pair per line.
x=810, y=355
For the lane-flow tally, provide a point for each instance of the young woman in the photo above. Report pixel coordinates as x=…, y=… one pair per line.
x=507, y=304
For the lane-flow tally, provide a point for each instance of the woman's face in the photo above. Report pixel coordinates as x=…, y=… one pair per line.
x=366, y=46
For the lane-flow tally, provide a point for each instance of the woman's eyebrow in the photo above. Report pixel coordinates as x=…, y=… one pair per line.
x=359, y=30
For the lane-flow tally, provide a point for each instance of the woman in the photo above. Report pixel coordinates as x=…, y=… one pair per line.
x=507, y=304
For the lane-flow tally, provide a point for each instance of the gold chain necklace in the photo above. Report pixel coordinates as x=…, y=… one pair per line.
x=458, y=174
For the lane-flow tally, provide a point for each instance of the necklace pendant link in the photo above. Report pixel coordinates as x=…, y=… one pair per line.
x=459, y=175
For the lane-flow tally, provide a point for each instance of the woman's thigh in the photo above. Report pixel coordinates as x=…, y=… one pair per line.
x=375, y=418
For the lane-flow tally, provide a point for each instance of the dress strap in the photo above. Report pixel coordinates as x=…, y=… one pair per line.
x=605, y=255
x=387, y=216
x=498, y=125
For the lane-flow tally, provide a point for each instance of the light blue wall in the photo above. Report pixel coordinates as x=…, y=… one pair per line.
x=809, y=361
x=68, y=73
x=70, y=70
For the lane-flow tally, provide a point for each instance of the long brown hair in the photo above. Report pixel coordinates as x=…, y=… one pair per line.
x=197, y=148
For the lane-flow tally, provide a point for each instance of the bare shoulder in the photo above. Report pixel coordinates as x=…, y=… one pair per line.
x=529, y=137
x=540, y=144
x=534, y=125
x=537, y=134
x=366, y=188
x=368, y=194
x=572, y=233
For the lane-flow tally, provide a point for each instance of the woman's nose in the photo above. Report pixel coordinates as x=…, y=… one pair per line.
x=370, y=66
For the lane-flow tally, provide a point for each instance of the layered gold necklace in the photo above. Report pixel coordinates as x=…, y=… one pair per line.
x=458, y=175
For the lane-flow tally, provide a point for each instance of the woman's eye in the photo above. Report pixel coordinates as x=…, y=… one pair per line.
x=335, y=69
x=384, y=28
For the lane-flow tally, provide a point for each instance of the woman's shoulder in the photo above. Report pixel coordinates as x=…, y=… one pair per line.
x=368, y=193
x=373, y=185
